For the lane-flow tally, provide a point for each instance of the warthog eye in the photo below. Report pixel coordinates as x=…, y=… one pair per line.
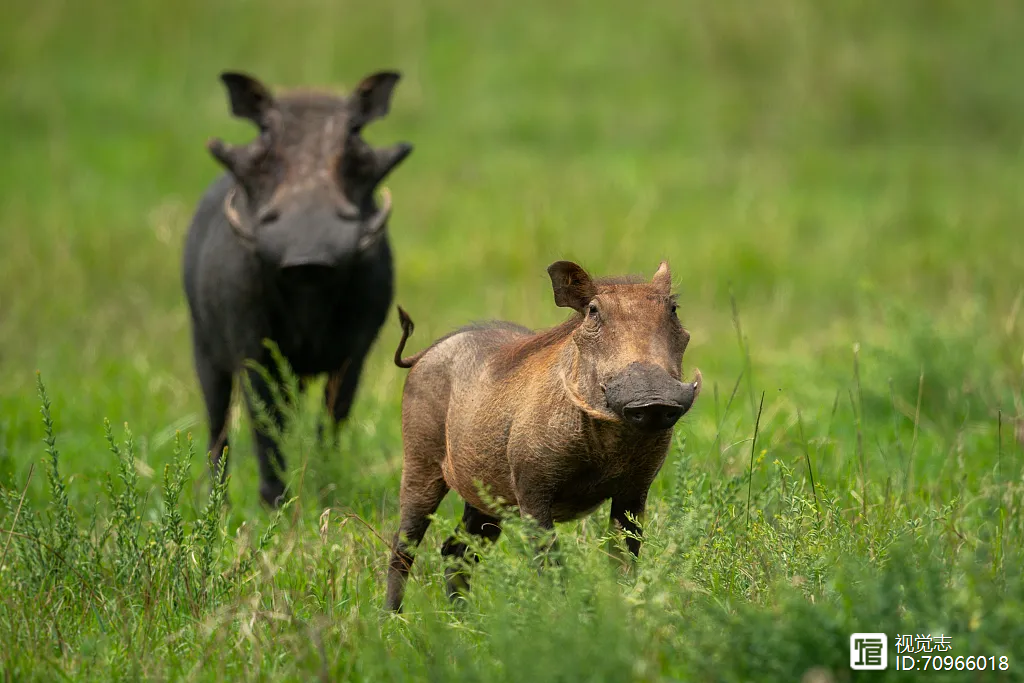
x=592, y=311
x=268, y=216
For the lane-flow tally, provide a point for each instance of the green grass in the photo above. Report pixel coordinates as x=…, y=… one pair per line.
x=836, y=186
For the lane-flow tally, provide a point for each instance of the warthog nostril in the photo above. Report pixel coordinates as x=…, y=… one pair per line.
x=654, y=416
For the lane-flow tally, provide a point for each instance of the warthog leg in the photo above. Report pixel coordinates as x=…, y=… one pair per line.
x=535, y=494
x=271, y=461
x=478, y=524
x=419, y=500
x=622, y=509
x=216, y=385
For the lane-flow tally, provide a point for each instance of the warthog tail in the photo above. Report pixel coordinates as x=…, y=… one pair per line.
x=407, y=328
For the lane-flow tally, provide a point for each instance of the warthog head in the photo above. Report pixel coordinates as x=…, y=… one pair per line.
x=629, y=346
x=307, y=181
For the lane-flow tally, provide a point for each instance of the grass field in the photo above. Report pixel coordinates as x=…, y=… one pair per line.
x=836, y=185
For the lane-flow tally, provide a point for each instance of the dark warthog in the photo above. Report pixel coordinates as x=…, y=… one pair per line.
x=290, y=245
x=555, y=422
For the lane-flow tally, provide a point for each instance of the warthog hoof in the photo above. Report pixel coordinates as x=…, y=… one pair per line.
x=457, y=582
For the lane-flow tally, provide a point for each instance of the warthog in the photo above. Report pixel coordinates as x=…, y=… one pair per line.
x=290, y=245
x=554, y=422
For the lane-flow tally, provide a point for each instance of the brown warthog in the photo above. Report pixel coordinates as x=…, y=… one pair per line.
x=554, y=422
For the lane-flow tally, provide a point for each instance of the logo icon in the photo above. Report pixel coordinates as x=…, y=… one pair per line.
x=869, y=651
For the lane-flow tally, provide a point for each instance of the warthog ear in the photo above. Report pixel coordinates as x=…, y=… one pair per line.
x=250, y=99
x=372, y=98
x=573, y=286
x=663, y=278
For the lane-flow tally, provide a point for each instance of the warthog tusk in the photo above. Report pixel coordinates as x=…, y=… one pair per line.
x=235, y=219
x=698, y=381
x=379, y=221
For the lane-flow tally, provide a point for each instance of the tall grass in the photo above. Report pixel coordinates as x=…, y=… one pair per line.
x=756, y=574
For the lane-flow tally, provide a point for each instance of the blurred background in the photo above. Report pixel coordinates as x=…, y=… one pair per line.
x=824, y=174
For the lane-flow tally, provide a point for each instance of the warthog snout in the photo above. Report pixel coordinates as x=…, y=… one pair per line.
x=311, y=233
x=648, y=398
